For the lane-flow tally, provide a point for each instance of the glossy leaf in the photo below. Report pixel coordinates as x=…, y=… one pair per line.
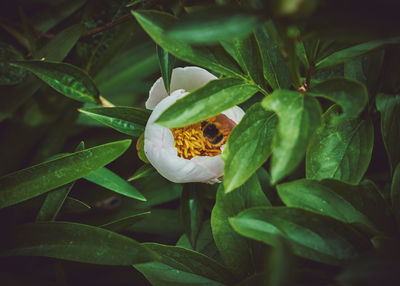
x=64, y=78
x=352, y=204
x=191, y=211
x=108, y=179
x=56, y=49
x=75, y=242
x=166, y=61
x=36, y=180
x=55, y=199
x=142, y=172
x=127, y=120
x=389, y=107
x=248, y=146
x=341, y=152
x=157, y=23
x=238, y=253
x=119, y=224
x=207, y=101
x=299, y=117
x=352, y=96
x=305, y=232
x=248, y=55
x=344, y=55
x=180, y=266
x=275, y=68
x=214, y=25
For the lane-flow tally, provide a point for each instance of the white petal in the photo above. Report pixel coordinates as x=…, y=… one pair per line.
x=187, y=78
x=235, y=113
x=158, y=146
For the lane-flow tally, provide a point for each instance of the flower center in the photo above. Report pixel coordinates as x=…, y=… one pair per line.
x=200, y=139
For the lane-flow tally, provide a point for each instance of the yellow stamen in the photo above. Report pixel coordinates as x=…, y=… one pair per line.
x=190, y=142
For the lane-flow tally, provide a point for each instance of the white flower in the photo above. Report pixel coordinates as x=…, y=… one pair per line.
x=159, y=141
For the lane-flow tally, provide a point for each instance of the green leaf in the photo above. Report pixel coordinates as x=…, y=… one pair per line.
x=119, y=224
x=180, y=266
x=344, y=55
x=313, y=236
x=248, y=146
x=157, y=23
x=64, y=78
x=395, y=192
x=36, y=180
x=56, y=49
x=191, y=211
x=166, y=61
x=207, y=101
x=389, y=107
x=275, y=68
x=60, y=46
x=352, y=96
x=127, y=120
x=239, y=254
x=109, y=180
x=299, y=116
x=352, y=204
x=55, y=199
x=142, y=172
x=10, y=75
x=75, y=242
x=248, y=55
x=214, y=25
x=341, y=152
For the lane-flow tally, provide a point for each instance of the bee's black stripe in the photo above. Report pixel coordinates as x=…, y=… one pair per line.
x=210, y=131
x=217, y=139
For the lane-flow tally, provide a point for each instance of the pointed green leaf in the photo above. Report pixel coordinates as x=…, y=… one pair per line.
x=344, y=55
x=108, y=179
x=248, y=146
x=191, y=211
x=313, y=236
x=248, y=55
x=142, y=172
x=207, y=101
x=180, y=266
x=352, y=96
x=55, y=199
x=36, y=180
x=239, y=254
x=166, y=61
x=214, y=25
x=299, y=116
x=64, y=78
x=157, y=23
x=56, y=49
x=353, y=204
x=75, y=242
x=341, y=152
x=119, y=224
x=127, y=120
x=275, y=69
x=389, y=107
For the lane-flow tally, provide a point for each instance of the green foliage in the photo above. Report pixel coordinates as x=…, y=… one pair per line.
x=319, y=84
x=299, y=116
x=207, y=101
x=36, y=180
x=64, y=78
x=127, y=120
x=248, y=146
x=306, y=233
x=76, y=242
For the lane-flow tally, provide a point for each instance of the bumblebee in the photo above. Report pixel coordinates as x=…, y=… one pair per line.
x=216, y=129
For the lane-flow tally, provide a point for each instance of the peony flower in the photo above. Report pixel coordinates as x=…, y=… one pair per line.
x=185, y=154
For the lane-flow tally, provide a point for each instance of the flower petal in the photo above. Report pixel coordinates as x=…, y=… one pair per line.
x=187, y=78
x=158, y=146
x=235, y=113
